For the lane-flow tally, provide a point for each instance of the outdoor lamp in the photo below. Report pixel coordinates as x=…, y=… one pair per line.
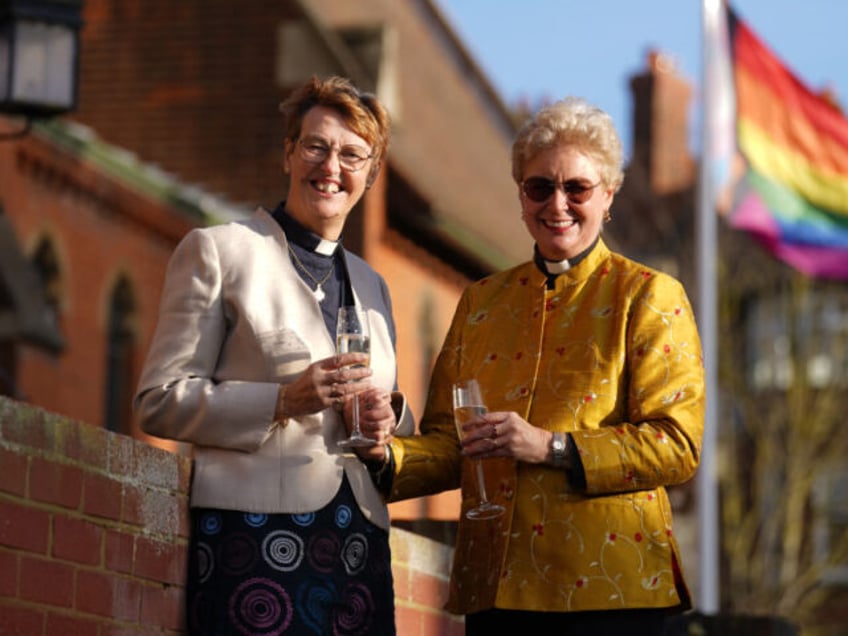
x=39, y=56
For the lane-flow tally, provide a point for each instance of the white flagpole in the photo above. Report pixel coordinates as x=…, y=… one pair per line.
x=707, y=600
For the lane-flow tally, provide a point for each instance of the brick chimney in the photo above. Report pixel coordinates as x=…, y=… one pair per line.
x=661, y=99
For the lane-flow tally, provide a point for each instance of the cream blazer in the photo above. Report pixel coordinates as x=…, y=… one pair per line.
x=235, y=322
x=610, y=355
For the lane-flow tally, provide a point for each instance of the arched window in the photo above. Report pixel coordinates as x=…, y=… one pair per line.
x=120, y=350
x=25, y=314
x=8, y=354
x=47, y=266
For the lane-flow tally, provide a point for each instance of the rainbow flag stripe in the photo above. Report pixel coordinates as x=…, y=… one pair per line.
x=794, y=195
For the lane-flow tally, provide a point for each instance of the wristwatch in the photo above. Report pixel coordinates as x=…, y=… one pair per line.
x=558, y=444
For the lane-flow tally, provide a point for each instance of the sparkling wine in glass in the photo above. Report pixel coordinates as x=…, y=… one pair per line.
x=467, y=403
x=352, y=336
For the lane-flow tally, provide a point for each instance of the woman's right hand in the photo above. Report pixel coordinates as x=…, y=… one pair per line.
x=327, y=382
x=505, y=434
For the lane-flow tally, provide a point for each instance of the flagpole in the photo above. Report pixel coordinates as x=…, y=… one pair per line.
x=707, y=600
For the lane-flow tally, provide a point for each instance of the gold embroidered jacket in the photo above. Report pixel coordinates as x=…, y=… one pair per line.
x=611, y=356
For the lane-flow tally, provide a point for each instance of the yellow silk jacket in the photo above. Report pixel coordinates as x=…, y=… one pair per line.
x=610, y=355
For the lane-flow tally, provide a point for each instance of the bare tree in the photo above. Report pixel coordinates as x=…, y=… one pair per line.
x=783, y=372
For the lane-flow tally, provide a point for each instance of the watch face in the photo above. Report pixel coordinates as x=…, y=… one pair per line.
x=558, y=444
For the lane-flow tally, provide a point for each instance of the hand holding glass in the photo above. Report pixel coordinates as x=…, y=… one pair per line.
x=467, y=403
x=352, y=336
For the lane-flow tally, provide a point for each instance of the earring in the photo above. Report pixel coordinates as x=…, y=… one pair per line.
x=607, y=216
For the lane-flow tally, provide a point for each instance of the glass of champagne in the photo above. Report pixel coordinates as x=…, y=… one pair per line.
x=352, y=337
x=467, y=403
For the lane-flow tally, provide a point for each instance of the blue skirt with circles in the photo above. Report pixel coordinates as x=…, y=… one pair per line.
x=326, y=572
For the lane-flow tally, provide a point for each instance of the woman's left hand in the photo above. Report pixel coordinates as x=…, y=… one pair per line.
x=505, y=434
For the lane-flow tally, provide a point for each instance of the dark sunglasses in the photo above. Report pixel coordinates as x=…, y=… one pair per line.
x=540, y=189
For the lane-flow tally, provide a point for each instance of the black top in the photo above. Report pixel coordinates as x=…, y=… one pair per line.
x=318, y=256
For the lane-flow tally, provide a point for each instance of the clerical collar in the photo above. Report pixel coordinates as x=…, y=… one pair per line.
x=557, y=267
x=554, y=268
x=299, y=235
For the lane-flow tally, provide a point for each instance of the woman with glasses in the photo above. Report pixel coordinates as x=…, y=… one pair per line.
x=289, y=534
x=590, y=369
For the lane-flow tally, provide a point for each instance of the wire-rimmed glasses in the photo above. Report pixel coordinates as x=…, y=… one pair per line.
x=316, y=150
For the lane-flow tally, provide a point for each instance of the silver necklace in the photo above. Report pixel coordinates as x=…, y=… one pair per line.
x=318, y=292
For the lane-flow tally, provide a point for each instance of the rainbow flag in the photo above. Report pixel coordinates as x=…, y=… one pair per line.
x=793, y=197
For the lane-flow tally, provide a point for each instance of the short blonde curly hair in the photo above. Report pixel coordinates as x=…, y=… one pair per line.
x=575, y=122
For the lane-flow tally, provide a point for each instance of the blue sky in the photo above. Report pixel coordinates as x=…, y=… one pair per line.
x=544, y=49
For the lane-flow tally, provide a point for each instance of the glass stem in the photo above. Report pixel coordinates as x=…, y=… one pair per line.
x=355, y=416
x=481, y=482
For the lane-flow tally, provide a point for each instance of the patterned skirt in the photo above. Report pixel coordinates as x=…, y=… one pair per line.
x=326, y=572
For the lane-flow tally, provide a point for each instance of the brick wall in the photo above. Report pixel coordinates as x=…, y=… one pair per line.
x=94, y=531
x=189, y=84
x=102, y=230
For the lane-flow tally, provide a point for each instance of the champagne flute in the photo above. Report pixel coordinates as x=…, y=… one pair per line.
x=467, y=403
x=352, y=337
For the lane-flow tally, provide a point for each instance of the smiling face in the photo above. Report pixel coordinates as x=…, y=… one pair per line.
x=561, y=228
x=322, y=194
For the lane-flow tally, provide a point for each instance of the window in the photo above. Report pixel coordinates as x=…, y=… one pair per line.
x=47, y=265
x=8, y=354
x=830, y=526
x=804, y=336
x=119, y=360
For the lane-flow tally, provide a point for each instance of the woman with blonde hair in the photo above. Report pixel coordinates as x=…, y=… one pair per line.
x=590, y=366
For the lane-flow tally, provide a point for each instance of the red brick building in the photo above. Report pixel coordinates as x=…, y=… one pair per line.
x=194, y=88
x=177, y=126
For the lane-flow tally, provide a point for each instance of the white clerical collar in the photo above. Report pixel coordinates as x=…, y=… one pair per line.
x=325, y=247
x=557, y=267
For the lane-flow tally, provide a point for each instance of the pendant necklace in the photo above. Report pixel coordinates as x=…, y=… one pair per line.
x=317, y=292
